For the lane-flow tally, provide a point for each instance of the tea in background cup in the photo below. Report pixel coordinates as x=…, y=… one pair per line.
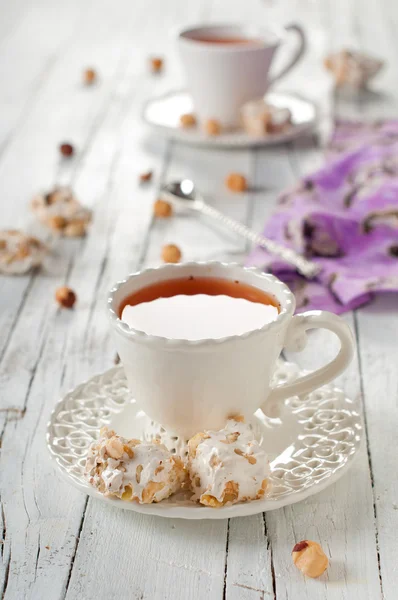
x=228, y=65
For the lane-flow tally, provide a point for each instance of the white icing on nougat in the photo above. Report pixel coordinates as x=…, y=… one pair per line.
x=227, y=465
x=133, y=470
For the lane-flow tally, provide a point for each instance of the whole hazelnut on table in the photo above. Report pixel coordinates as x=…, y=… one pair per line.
x=156, y=63
x=188, y=120
x=162, y=209
x=171, y=253
x=89, y=76
x=212, y=127
x=309, y=558
x=66, y=149
x=236, y=182
x=65, y=297
x=146, y=176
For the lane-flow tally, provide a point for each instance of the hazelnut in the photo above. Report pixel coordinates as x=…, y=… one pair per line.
x=212, y=127
x=66, y=149
x=65, y=297
x=146, y=176
x=89, y=76
x=236, y=182
x=162, y=209
x=156, y=64
x=57, y=222
x=188, y=120
x=171, y=253
x=309, y=558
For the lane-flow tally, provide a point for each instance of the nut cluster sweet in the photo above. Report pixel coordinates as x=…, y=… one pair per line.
x=133, y=470
x=19, y=252
x=260, y=118
x=352, y=68
x=227, y=466
x=309, y=557
x=60, y=210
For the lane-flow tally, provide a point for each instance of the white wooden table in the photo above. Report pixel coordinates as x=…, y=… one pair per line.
x=56, y=543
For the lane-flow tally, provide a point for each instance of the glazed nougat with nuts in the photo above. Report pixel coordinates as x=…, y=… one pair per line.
x=227, y=465
x=133, y=470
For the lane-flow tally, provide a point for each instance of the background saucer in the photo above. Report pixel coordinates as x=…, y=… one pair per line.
x=163, y=114
x=311, y=443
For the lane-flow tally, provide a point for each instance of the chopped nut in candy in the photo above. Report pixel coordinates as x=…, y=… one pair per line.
x=310, y=558
x=260, y=118
x=227, y=466
x=19, y=253
x=132, y=470
x=353, y=69
x=62, y=212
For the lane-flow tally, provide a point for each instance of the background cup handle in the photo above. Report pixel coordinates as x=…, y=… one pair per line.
x=296, y=340
x=302, y=44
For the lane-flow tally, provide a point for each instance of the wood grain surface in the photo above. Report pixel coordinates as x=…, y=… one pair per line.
x=56, y=543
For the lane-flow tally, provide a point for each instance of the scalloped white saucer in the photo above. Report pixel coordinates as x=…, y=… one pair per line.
x=311, y=442
x=163, y=114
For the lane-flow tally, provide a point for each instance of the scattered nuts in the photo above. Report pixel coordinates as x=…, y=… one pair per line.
x=162, y=209
x=65, y=297
x=19, y=253
x=309, y=558
x=156, y=63
x=147, y=176
x=212, y=127
x=236, y=182
x=89, y=76
x=188, y=120
x=171, y=253
x=66, y=149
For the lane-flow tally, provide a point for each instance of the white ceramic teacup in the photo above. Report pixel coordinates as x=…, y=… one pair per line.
x=188, y=386
x=222, y=77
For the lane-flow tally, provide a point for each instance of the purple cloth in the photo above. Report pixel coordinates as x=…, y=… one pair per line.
x=345, y=217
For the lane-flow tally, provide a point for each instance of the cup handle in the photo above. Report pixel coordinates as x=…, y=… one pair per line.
x=296, y=340
x=296, y=56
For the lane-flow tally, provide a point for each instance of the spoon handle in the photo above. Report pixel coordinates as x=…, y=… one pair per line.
x=305, y=267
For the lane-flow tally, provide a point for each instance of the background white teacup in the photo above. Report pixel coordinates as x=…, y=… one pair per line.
x=222, y=77
x=189, y=386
